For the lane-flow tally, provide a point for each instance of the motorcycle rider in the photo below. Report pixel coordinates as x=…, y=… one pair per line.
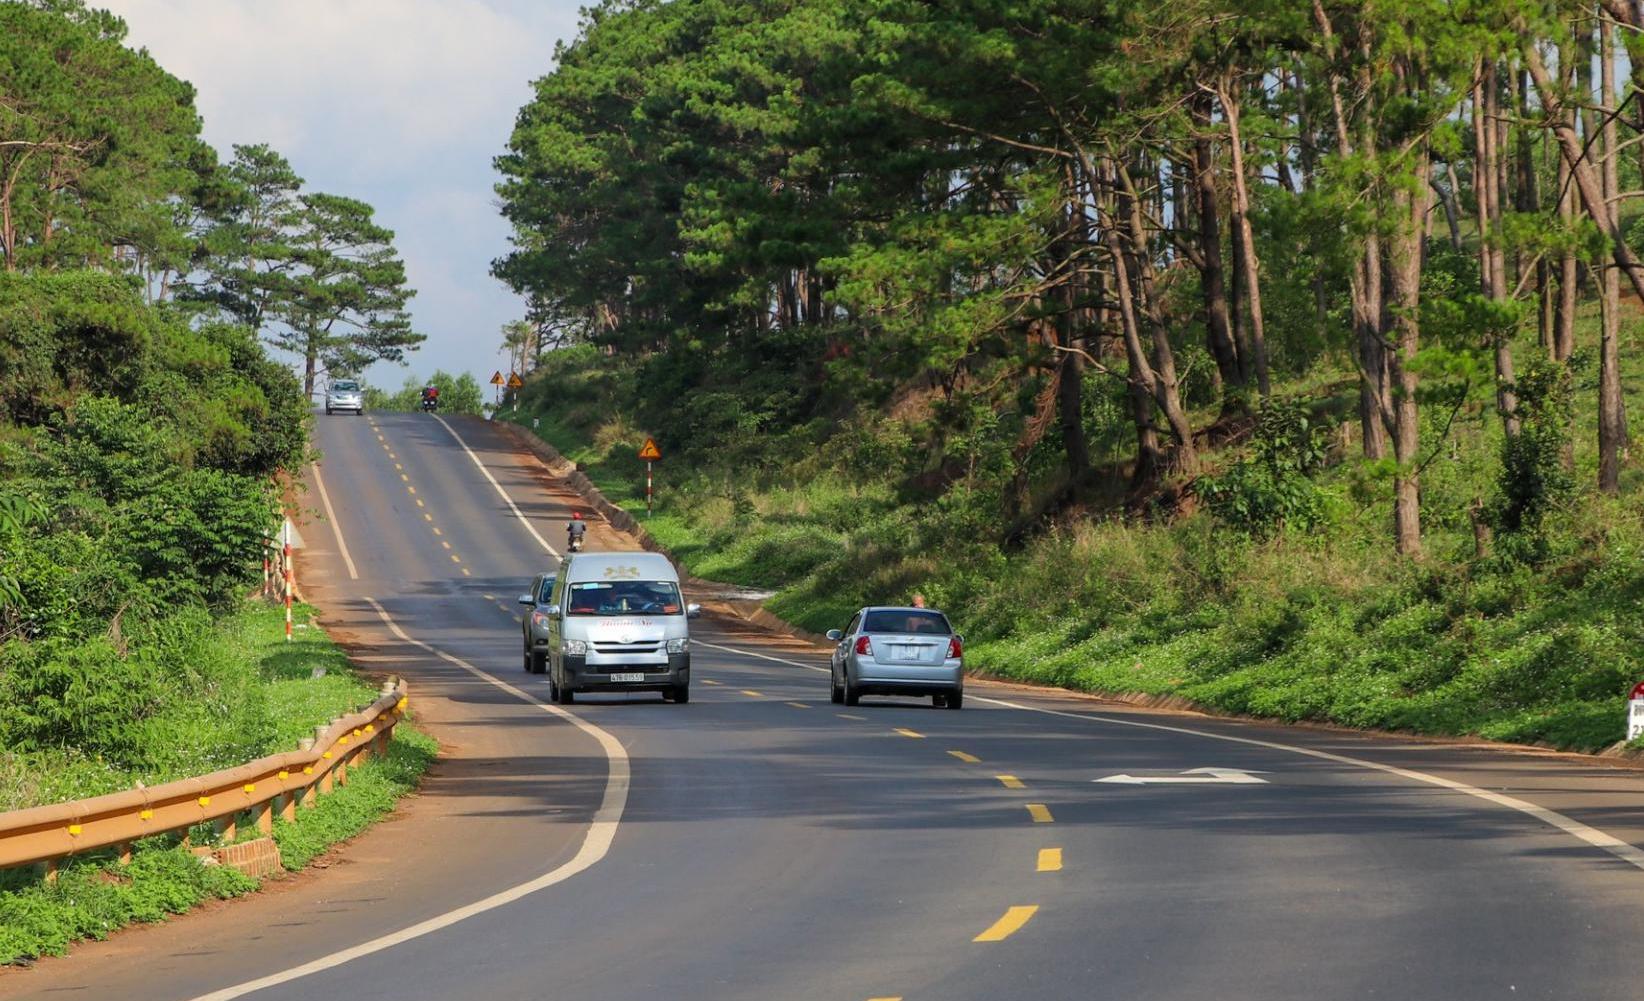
x=575, y=530
x=430, y=397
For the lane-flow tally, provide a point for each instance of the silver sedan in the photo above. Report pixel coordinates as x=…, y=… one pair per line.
x=898, y=651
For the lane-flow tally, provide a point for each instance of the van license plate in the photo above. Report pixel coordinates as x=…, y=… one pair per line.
x=628, y=677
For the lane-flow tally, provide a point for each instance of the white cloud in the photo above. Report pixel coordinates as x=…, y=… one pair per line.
x=400, y=102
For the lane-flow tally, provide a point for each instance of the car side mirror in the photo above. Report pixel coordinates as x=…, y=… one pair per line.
x=525, y=599
x=693, y=610
x=553, y=611
x=835, y=635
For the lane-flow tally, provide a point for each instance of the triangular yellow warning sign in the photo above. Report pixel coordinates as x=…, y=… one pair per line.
x=514, y=381
x=650, y=453
x=496, y=378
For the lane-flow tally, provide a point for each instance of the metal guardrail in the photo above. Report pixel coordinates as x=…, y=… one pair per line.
x=44, y=835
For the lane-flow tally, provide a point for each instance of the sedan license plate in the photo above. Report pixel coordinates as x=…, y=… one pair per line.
x=628, y=677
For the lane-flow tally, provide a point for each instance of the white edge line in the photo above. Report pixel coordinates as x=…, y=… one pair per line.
x=595, y=844
x=336, y=526
x=1622, y=850
x=509, y=500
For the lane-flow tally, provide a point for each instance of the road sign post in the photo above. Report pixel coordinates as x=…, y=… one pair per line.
x=650, y=453
x=1635, y=712
x=497, y=381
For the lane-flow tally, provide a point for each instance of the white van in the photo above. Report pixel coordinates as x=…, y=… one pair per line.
x=618, y=623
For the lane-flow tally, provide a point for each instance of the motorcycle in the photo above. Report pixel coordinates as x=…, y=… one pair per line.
x=430, y=404
x=575, y=544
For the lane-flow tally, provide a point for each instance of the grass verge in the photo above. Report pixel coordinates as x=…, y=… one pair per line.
x=296, y=685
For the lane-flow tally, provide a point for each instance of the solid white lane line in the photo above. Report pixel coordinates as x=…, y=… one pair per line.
x=501, y=492
x=1622, y=850
x=595, y=844
x=336, y=527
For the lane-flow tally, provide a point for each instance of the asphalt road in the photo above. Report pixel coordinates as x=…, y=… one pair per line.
x=760, y=842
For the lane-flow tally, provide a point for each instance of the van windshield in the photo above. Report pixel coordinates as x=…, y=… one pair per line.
x=628, y=597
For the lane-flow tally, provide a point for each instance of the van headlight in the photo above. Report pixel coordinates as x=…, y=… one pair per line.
x=575, y=648
x=679, y=645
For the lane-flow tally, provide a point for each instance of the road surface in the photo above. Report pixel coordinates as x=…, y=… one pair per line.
x=762, y=843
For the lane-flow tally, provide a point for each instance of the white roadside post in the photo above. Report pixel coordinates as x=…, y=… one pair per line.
x=285, y=563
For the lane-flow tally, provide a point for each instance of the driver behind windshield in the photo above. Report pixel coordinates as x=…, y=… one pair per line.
x=636, y=597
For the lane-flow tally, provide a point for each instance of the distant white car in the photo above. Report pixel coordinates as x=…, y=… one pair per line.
x=344, y=394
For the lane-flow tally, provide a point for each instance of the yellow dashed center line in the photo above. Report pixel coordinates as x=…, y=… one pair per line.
x=1010, y=782
x=414, y=490
x=898, y=998
x=436, y=529
x=1040, y=813
x=1008, y=924
x=455, y=558
x=425, y=515
x=750, y=693
x=910, y=733
x=397, y=465
x=1050, y=860
x=405, y=478
x=969, y=759
x=466, y=573
x=445, y=544
x=849, y=716
x=391, y=454
x=799, y=705
x=491, y=597
x=708, y=681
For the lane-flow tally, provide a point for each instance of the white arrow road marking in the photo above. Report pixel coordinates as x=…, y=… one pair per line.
x=1193, y=776
x=1623, y=850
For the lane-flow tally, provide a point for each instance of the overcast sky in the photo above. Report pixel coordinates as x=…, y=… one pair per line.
x=402, y=103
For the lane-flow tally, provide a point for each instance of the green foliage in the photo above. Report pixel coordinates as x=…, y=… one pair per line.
x=1273, y=486
x=1534, y=479
x=459, y=394
x=92, y=897
x=100, y=144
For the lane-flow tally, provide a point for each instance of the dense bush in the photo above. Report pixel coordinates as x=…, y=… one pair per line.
x=139, y=458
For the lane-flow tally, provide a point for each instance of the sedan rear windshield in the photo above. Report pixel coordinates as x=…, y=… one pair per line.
x=628, y=597
x=345, y=387
x=912, y=620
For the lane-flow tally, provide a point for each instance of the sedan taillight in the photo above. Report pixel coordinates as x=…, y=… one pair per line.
x=863, y=647
x=955, y=649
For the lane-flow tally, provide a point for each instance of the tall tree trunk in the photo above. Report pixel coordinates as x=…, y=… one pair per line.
x=1404, y=266
x=1157, y=375
x=1612, y=414
x=1166, y=389
x=1365, y=281
x=1588, y=184
x=1070, y=380
x=1245, y=234
x=1487, y=171
x=1212, y=281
